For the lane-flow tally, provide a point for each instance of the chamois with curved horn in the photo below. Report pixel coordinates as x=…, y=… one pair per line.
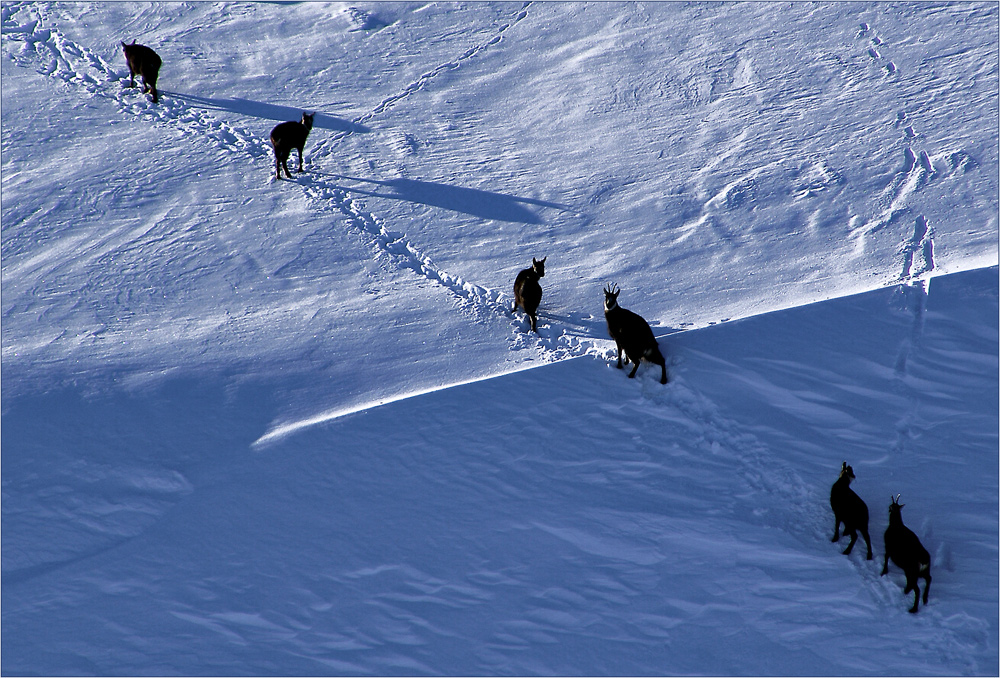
x=632, y=335
x=906, y=551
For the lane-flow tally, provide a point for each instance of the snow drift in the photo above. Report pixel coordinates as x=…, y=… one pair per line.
x=263, y=427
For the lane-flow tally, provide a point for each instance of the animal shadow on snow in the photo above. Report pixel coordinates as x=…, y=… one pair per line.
x=584, y=325
x=257, y=109
x=472, y=201
x=581, y=324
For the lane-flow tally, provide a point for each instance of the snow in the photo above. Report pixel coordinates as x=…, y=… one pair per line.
x=267, y=427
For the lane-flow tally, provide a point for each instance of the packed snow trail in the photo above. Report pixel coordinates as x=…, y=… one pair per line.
x=229, y=441
x=76, y=65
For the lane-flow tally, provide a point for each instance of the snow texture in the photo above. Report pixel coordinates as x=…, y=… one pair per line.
x=292, y=427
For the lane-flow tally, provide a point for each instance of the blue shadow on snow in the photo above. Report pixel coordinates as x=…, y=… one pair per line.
x=473, y=201
x=257, y=109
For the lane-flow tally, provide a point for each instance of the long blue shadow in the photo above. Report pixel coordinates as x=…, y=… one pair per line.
x=473, y=201
x=258, y=109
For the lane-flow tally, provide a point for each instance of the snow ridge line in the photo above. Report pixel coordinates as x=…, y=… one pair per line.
x=322, y=149
x=76, y=65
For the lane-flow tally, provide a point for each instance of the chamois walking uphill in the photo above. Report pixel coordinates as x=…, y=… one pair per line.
x=905, y=550
x=849, y=509
x=285, y=137
x=527, y=291
x=632, y=335
x=143, y=61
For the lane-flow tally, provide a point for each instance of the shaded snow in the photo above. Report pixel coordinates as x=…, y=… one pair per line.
x=261, y=427
x=561, y=520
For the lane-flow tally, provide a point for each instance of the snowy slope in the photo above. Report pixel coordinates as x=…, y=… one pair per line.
x=197, y=477
x=562, y=520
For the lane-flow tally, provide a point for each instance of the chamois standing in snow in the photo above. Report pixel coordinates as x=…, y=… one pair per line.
x=289, y=135
x=849, y=509
x=906, y=551
x=527, y=291
x=145, y=62
x=632, y=335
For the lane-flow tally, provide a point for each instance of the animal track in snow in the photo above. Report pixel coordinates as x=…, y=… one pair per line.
x=913, y=293
x=56, y=56
x=922, y=244
x=484, y=305
x=874, y=49
x=916, y=172
x=324, y=147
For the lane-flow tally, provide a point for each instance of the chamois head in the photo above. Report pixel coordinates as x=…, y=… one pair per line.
x=895, y=509
x=538, y=266
x=611, y=293
x=307, y=120
x=846, y=470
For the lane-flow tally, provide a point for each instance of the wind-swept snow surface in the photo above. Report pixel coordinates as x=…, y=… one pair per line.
x=562, y=520
x=289, y=427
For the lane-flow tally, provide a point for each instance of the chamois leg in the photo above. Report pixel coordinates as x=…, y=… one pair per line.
x=911, y=585
x=619, y=346
x=927, y=586
x=868, y=543
x=853, y=534
x=300, y=158
x=635, y=368
x=534, y=323
x=836, y=529
x=663, y=373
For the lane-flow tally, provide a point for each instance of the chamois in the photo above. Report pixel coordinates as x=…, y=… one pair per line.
x=849, y=509
x=906, y=551
x=632, y=335
x=289, y=135
x=527, y=291
x=145, y=62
